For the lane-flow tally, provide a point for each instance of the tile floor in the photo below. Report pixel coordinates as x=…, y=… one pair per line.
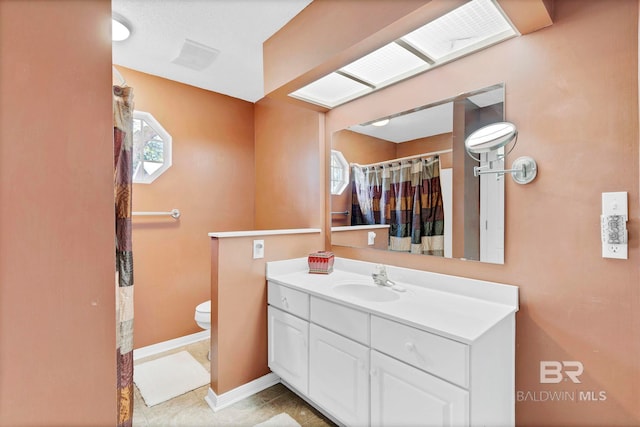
x=190, y=409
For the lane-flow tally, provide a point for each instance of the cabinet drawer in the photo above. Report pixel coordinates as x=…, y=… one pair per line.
x=440, y=356
x=287, y=299
x=346, y=321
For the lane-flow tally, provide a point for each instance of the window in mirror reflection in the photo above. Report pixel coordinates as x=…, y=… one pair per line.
x=339, y=172
x=151, y=148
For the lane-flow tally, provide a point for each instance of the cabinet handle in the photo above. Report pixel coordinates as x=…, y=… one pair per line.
x=410, y=346
x=285, y=303
x=374, y=372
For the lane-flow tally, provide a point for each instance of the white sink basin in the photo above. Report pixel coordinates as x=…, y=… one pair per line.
x=366, y=292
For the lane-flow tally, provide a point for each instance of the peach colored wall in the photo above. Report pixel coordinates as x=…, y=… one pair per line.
x=359, y=238
x=57, y=296
x=578, y=117
x=363, y=149
x=289, y=188
x=572, y=90
x=211, y=181
x=426, y=145
x=239, y=309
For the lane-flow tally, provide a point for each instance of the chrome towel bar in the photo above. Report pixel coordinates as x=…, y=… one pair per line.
x=174, y=213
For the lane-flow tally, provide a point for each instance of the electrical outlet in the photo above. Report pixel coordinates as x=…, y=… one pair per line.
x=613, y=228
x=258, y=249
x=371, y=238
x=615, y=251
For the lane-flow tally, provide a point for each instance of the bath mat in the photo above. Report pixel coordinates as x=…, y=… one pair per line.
x=280, y=420
x=167, y=377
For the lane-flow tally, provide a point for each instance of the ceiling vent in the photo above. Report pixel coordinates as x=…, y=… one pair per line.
x=196, y=56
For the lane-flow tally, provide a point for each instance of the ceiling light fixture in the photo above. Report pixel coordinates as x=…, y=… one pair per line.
x=381, y=123
x=473, y=26
x=119, y=29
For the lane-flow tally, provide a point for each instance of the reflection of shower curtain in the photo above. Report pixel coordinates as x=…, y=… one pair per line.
x=122, y=140
x=405, y=195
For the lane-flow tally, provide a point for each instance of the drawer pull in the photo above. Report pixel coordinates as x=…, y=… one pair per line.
x=285, y=303
x=411, y=347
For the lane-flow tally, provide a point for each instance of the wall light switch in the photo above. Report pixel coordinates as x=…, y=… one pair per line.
x=258, y=249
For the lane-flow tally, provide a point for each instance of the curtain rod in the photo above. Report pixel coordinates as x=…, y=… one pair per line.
x=417, y=156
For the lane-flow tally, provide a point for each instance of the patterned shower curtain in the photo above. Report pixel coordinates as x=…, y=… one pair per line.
x=407, y=196
x=122, y=176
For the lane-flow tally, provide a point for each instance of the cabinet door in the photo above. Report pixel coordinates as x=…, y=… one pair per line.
x=288, y=348
x=402, y=395
x=339, y=376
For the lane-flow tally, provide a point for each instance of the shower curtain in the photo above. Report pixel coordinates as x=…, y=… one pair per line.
x=122, y=176
x=407, y=196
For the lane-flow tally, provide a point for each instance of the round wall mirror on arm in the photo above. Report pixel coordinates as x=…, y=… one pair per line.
x=493, y=137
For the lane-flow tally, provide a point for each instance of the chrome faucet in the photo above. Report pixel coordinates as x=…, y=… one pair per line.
x=380, y=276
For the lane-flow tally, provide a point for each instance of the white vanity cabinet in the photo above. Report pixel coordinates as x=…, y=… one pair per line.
x=339, y=361
x=430, y=357
x=289, y=335
x=402, y=395
x=414, y=387
x=339, y=376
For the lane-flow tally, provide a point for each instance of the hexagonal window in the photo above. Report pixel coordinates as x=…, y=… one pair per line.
x=339, y=172
x=151, y=148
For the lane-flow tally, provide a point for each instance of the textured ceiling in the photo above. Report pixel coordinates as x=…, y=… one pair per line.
x=236, y=28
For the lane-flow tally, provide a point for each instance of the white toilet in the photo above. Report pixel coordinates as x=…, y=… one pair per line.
x=203, y=315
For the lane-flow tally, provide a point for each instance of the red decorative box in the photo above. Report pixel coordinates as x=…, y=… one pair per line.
x=321, y=262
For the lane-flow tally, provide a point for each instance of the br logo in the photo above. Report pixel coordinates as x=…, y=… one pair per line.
x=553, y=371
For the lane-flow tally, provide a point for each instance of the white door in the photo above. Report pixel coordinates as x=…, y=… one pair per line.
x=492, y=209
x=446, y=189
x=402, y=395
x=288, y=348
x=339, y=376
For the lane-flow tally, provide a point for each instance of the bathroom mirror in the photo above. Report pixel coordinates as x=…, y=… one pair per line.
x=472, y=223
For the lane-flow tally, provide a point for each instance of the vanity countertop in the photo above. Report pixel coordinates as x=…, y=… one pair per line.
x=458, y=308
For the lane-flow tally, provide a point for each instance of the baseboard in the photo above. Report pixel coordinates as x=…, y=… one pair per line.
x=160, y=347
x=217, y=402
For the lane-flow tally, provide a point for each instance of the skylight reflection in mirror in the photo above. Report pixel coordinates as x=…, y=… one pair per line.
x=471, y=27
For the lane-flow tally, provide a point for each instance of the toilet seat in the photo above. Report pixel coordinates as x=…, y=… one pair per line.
x=203, y=315
x=204, y=307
